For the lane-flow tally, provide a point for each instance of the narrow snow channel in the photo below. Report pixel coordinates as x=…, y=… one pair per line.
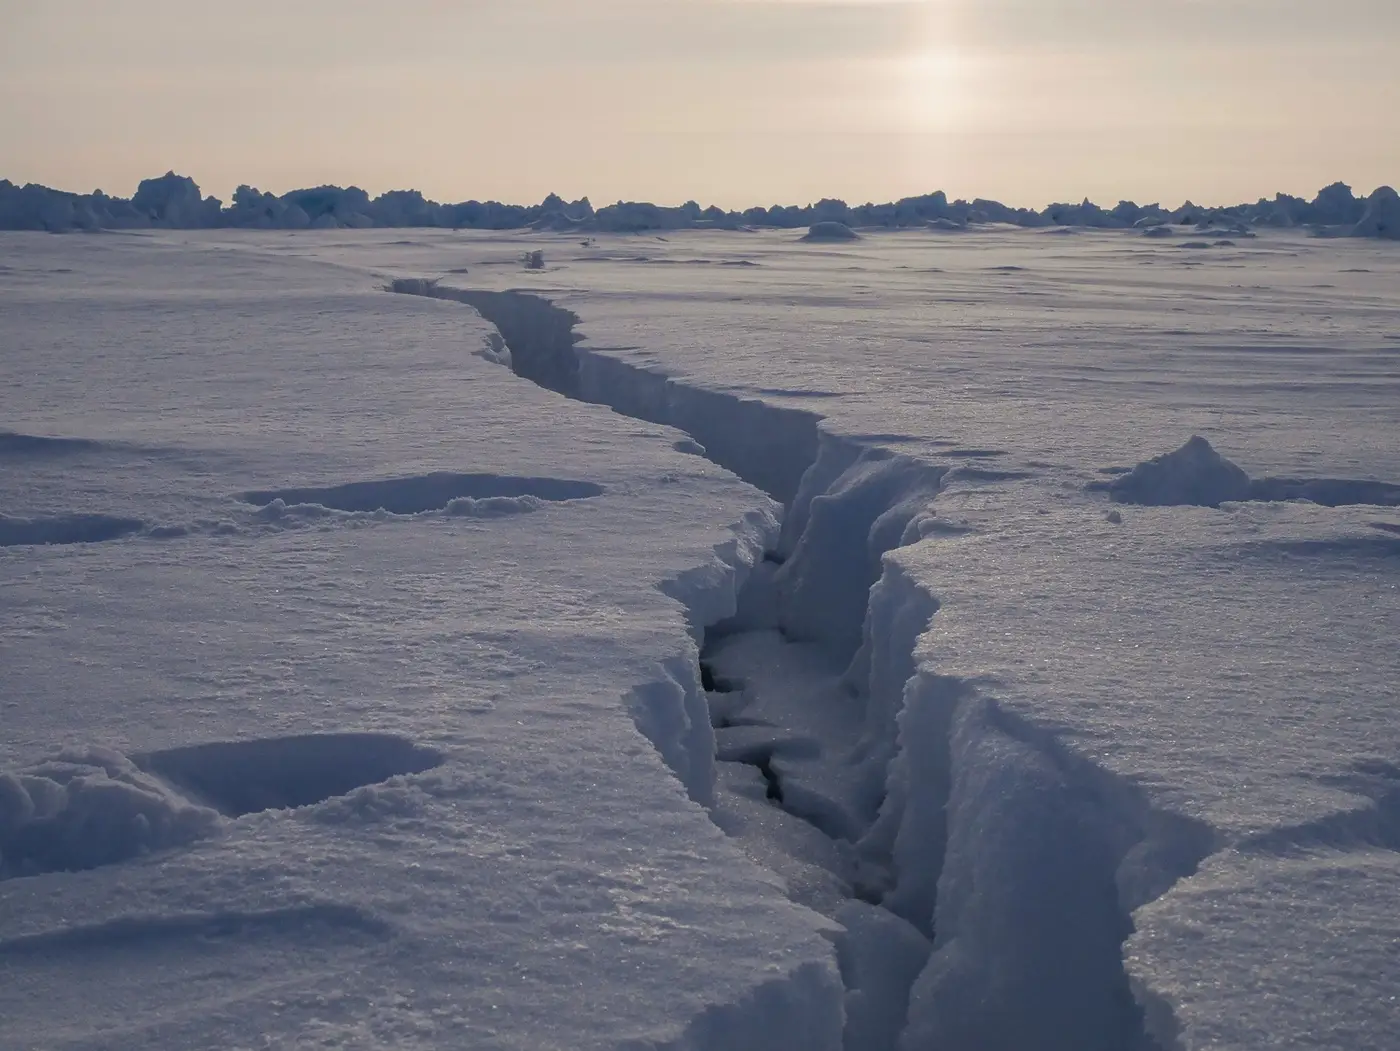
x=869, y=784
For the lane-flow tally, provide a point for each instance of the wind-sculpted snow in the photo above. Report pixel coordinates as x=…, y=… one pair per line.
x=463, y=494
x=440, y=494
x=15, y=445
x=66, y=529
x=91, y=807
x=1330, y=492
x=1193, y=474
x=830, y=231
x=244, y=777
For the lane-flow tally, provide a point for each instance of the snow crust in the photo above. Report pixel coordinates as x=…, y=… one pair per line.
x=1044, y=761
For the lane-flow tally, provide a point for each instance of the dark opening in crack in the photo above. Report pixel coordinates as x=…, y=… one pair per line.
x=711, y=683
x=775, y=786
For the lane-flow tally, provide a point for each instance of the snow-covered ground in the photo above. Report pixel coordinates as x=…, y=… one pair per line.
x=1012, y=764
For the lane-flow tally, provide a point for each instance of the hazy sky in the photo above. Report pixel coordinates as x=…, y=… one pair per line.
x=734, y=102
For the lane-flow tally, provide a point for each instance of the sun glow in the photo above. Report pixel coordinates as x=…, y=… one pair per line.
x=933, y=93
x=934, y=77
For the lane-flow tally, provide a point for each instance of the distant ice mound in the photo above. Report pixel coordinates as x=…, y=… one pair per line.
x=1194, y=474
x=830, y=231
x=87, y=808
x=1197, y=474
x=1382, y=217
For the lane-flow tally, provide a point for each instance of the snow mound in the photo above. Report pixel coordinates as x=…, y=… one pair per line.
x=1197, y=474
x=15, y=444
x=90, y=807
x=830, y=231
x=492, y=506
x=1194, y=474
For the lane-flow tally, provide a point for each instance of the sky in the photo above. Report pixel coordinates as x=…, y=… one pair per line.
x=728, y=102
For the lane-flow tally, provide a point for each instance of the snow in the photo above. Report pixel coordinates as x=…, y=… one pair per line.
x=335, y=607
x=1193, y=474
x=830, y=230
x=846, y=684
x=84, y=809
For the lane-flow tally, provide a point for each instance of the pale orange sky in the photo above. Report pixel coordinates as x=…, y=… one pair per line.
x=733, y=102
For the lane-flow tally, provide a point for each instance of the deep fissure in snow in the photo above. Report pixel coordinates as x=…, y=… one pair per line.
x=710, y=683
x=990, y=875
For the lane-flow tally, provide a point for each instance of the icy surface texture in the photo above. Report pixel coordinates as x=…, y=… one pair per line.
x=1083, y=767
x=1057, y=715
x=387, y=722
